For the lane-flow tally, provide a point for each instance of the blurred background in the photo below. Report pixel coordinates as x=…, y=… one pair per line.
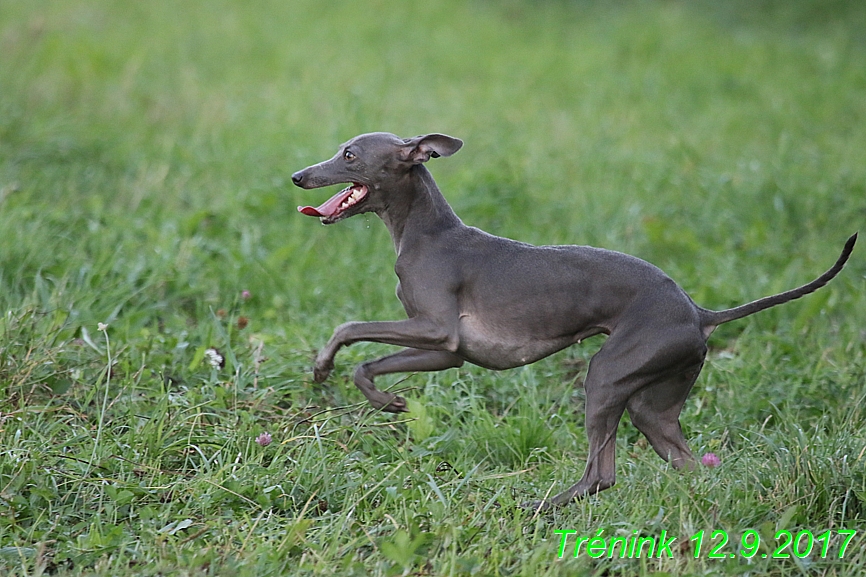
x=141, y=132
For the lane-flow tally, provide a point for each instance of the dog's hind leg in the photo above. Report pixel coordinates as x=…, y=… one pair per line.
x=649, y=375
x=655, y=411
x=606, y=398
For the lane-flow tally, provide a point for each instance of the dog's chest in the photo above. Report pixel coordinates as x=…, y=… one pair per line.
x=408, y=306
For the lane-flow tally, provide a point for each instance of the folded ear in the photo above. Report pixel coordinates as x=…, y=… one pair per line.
x=421, y=148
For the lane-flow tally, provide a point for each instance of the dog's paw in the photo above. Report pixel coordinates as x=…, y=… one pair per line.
x=534, y=507
x=390, y=404
x=397, y=405
x=322, y=370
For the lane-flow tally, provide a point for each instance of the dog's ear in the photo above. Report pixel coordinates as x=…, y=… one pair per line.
x=422, y=148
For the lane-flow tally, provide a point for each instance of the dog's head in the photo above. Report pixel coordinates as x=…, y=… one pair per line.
x=373, y=165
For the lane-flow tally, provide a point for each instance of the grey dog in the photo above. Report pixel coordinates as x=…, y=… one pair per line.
x=498, y=303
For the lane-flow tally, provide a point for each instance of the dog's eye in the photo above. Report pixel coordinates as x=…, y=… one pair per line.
x=349, y=155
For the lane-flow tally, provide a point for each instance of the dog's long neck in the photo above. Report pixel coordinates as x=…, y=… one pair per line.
x=417, y=208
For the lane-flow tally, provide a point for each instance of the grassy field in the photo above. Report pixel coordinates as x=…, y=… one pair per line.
x=147, y=215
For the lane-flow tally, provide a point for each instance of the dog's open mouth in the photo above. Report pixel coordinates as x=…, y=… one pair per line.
x=337, y=204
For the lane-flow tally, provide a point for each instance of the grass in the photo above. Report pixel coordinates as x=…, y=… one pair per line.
x=145, y=155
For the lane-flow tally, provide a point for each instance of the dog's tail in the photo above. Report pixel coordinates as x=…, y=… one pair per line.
x=711, y=319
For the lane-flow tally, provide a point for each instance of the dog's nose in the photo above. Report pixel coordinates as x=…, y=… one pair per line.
x=298, y=178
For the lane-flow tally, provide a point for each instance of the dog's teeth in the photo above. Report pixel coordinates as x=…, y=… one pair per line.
x=356, y=195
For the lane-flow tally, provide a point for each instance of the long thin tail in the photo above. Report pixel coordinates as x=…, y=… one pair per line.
x=712, y=319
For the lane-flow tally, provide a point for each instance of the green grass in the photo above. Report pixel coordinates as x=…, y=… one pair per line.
x=145, y=156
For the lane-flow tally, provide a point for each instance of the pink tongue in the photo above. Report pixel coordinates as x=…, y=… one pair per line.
x=309, y=211
x=330, y=207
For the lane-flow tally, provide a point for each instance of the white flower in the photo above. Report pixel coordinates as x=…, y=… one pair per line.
x=101, y=327
x=214, y=358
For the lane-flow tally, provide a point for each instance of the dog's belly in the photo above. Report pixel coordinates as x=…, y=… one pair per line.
x=498, y=347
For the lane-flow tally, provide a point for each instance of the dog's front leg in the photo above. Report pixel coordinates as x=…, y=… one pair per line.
x=406, y=361
x=416, y=333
